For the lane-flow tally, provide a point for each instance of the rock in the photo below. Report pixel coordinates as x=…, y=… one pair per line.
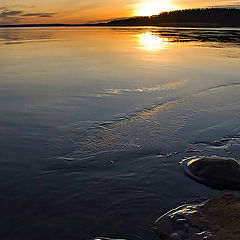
x=178, y=224
x=222, y=216
x=216, y=219
x=216, y=172
x=102, y=238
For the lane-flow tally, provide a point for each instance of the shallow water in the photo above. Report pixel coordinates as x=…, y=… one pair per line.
x=95, y=120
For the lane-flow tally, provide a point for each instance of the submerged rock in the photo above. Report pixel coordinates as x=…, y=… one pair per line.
x=216, y=172
x=217, y=219
x=178, y=224
x=102, y=238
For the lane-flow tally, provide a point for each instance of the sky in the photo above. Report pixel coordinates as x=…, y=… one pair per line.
x=91, y=11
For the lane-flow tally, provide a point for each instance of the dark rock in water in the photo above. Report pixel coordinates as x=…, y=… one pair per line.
x=216, y=219
x=178, y=224
x=102, y=238
x=216, y=172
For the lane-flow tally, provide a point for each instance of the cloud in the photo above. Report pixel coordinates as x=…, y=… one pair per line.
x=42, y=15
x=227, y=4
x=6, y=13
x=22, y=6
x=15, y=15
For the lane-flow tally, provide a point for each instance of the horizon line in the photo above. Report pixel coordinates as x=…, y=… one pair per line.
x=103, y=22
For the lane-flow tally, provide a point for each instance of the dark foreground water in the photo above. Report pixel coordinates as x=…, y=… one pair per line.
x=94, y=122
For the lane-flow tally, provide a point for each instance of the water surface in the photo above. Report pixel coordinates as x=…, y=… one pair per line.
x=95, y=120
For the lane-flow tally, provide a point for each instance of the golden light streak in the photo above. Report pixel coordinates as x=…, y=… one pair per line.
x=152, y=42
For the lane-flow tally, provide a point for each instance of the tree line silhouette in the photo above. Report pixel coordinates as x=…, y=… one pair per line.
x=205, y=16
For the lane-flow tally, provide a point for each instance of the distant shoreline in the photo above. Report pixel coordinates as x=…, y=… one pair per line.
x=46, y=25
x=190, y=25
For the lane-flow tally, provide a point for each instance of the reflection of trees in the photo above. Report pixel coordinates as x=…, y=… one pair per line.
x=207, y=16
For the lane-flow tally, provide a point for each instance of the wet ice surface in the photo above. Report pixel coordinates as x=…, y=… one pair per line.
x=94, y=123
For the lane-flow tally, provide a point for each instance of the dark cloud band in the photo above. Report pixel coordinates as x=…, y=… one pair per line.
x=43, y=15
x=8, y=15
x=5, y=14
x=227, y=6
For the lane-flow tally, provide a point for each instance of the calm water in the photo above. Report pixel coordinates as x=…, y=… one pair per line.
x=95, y=120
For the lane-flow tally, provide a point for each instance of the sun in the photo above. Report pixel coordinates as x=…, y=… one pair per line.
x=153, y=7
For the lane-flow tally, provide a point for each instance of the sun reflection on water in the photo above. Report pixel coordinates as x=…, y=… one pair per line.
x=152, y=42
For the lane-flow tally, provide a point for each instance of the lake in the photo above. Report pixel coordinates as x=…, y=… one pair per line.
x=94, y=122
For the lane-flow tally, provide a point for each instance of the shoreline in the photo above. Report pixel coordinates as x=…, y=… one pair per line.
x=185, y=25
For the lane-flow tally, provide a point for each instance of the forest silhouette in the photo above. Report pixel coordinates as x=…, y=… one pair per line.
x=188, y=17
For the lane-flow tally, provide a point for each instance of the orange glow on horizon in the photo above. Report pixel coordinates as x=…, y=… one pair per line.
x=80, y=12
x=153, y=7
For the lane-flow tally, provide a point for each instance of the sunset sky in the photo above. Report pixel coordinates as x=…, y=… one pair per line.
x=88, y=11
